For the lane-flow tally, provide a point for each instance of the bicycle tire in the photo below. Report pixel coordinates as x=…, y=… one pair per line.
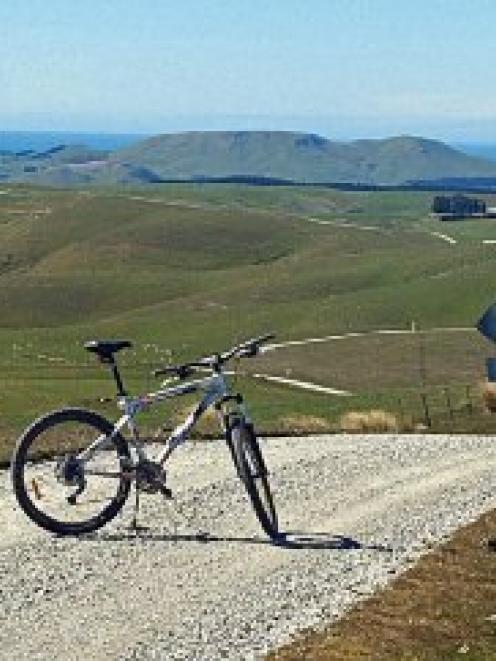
x=253, y=473
x=27, y=497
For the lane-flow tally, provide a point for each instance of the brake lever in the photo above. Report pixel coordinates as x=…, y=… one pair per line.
x=249, y=352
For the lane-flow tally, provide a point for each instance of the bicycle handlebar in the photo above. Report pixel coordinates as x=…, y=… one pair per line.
x=247, y=349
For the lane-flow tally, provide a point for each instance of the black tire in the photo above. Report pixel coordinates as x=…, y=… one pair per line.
x=252, y=471
x=37, y=451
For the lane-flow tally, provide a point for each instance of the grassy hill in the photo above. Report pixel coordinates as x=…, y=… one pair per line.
x=189, y=269
x=56, y=166
x=287, y=156
x=301, y=157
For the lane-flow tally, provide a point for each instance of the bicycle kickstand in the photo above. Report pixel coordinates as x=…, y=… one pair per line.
x=134, y=522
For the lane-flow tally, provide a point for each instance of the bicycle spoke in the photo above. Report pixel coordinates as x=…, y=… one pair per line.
x=58, y=490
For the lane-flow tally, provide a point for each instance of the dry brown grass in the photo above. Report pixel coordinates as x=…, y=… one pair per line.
x=376, y=420
x=488, y=396
x=208, y=425
x=303, y=424
x=443, y=608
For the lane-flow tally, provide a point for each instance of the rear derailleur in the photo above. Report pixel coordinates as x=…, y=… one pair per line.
x=69, y=471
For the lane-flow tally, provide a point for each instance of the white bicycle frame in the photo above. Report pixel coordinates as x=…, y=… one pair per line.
x=215, y=389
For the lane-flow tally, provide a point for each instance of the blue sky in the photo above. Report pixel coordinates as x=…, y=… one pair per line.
x=345, y=68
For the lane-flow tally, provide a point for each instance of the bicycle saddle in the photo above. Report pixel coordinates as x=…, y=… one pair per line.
x=105, y=349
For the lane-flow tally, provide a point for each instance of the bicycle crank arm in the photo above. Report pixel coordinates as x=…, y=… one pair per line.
x=72, y=498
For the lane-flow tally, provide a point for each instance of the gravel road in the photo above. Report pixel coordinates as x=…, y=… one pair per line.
x=203, y=582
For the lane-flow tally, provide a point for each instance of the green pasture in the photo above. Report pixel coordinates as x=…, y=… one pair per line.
x=184, y=270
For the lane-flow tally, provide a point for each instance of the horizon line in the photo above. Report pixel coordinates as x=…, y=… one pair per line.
x=150, y=134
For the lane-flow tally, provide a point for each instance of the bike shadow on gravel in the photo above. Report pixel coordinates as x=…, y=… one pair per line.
x=291, y=540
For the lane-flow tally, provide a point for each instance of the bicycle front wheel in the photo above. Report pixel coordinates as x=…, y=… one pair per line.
x=54, y=488
x=253, y=473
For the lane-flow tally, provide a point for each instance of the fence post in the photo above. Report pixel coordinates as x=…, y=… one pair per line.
x=448, y=403
x=427, y=416
x=421, y=355
x=470, y=406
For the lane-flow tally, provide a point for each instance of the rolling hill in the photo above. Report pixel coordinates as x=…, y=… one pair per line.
x=262, y=155
x=185, y=269
x=301, y=157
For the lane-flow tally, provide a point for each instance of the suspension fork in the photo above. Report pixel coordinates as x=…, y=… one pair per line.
x=229, y=418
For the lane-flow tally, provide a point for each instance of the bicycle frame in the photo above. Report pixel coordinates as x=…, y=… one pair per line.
x=215, y=389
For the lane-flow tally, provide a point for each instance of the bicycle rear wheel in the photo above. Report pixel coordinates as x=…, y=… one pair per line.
x=253, y=473
x=55, y=489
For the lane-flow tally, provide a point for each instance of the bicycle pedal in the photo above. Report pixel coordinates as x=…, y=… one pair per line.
x=166, y=493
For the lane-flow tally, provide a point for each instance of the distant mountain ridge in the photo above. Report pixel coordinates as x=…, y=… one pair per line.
x=263, y=155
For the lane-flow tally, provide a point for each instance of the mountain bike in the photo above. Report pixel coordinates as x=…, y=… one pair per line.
x=72, y=469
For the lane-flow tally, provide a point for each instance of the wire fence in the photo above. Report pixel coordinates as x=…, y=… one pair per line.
x=426, y=380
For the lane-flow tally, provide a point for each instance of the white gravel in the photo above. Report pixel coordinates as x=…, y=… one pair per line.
x=203, y=582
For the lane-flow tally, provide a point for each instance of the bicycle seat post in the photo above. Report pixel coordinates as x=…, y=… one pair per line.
x=121, y=392
x=105, y=350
